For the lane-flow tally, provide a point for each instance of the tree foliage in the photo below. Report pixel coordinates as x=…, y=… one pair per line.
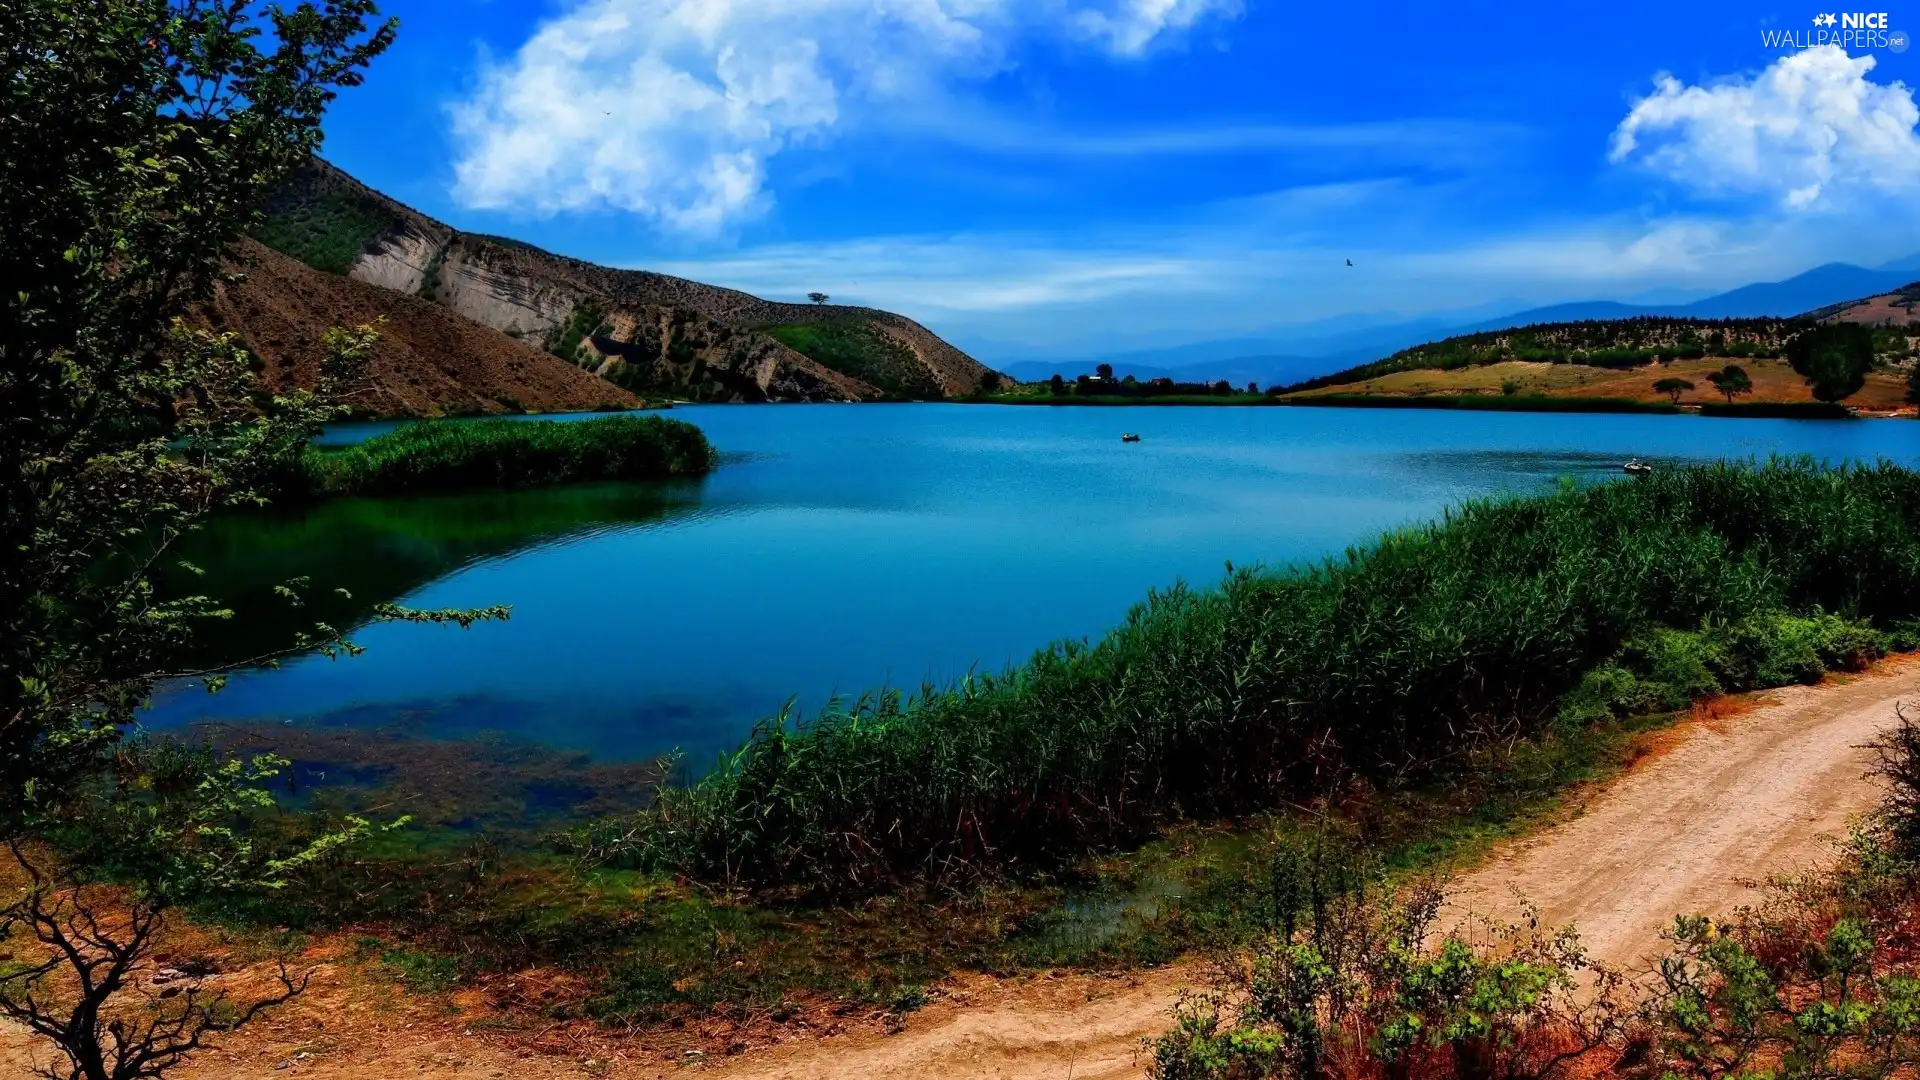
x=1673, y=388
x=1732, y=381
x=1833, y=358
x=138, y=139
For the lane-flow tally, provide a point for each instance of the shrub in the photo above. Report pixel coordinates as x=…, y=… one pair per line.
x=1360, y=984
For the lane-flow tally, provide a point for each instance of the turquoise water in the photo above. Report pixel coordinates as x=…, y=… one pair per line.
x=843, y=548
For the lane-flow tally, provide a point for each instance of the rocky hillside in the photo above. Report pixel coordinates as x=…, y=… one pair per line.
x=649, y=333
x=429, y=361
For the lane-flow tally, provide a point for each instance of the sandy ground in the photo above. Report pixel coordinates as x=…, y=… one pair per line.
x=1755, y=787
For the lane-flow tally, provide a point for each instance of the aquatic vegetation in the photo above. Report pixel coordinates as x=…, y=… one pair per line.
x=441, y=455
x=1379, y=668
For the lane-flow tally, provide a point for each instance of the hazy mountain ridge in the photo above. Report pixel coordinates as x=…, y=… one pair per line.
x=651, y=333
x=1305, y=351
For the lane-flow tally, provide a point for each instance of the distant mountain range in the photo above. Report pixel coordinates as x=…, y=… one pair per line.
x=1308, y=350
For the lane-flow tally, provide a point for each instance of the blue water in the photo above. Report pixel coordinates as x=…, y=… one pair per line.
x=840, y=548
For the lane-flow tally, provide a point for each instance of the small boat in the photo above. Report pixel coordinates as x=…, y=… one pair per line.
x=1129, y=437
x=1637, y=466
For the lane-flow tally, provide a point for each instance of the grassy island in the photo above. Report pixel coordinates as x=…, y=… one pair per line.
x=438, y=455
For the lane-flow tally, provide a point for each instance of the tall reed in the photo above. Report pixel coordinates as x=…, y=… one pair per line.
x=1403, y=654
x=439, y=455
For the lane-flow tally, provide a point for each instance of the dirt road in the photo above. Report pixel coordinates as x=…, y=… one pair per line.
x=1760, y=787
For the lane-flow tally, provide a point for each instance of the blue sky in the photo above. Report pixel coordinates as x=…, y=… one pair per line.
x=1035, y=176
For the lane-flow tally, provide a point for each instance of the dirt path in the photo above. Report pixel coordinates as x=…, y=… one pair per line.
x=1761, y=786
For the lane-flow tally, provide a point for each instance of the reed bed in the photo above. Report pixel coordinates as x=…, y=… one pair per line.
x=442, y=455
x=1402, y=658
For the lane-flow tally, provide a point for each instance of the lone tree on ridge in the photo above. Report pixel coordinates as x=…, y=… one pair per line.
x=818, y=297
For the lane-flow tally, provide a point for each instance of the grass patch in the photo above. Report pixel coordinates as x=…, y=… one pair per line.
x=1788, y=410
x=1379, y=668
x=1484, y=402
x=440, y=455
x=863, y=351
x=1115, y=399
x=327, y=233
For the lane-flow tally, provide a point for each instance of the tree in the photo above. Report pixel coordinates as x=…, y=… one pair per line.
x=1673, y=388
x=138, y=139
x=1253, y=387
x=818, y=297
x=1833, y=358
x=1732, y=381
x=1104, y=372
x=1913, y=385
x=989, y=382
x=1057, y=384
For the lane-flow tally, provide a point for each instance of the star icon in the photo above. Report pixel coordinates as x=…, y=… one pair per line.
x=1830, y=20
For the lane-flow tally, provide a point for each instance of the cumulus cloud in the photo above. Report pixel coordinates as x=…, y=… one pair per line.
x=1809, y=129
x=673, y=108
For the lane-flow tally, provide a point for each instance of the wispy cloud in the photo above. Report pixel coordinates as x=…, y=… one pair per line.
x=1811, y=130
x=1223, y=273
x=673, y=108
x=1419, y=139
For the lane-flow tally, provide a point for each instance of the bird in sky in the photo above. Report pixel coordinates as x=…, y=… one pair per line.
x=1349, y=262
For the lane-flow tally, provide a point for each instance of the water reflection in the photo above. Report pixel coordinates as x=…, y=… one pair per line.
x=354, y=554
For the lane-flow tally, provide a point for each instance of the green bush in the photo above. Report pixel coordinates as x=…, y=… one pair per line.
x=1405, y=653
x=441, y=455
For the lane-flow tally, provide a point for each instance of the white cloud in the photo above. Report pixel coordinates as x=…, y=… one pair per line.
x=672, y=108
x=1130, y=27
x=1810, y=129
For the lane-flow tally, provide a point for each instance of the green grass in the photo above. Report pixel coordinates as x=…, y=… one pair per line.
x=442, y=455
x=328, y=233
x=1116, y=399
x=1788, y=410
x=1379, y=668
x=1487, y=402
x=861, y=350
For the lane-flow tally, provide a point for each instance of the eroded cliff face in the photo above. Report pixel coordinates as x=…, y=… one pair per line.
x=689, y=355
x=650, y=333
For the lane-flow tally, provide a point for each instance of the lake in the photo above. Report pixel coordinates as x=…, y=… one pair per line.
x=843, y=548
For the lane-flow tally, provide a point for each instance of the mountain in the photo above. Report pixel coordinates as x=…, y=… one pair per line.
x=1617, y=359
x=647, y=333
x=429, y=361
x=1819, y=287
x=1890, y=309
x=1293, y=354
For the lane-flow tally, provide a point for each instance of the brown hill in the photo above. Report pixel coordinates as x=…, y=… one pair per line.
x=1889, y=309
x=649, y=332
x=1623, y=358
x=429, y=361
